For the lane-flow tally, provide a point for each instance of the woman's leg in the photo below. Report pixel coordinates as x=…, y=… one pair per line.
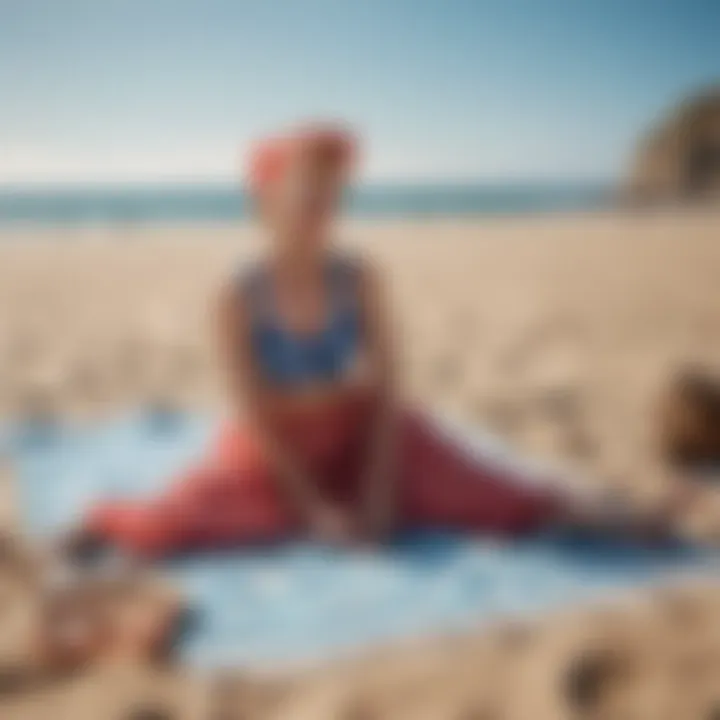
x=230, y=499
x=443, y=485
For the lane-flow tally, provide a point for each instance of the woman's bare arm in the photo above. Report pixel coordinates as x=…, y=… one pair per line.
x=245, y=387
x=380, y=469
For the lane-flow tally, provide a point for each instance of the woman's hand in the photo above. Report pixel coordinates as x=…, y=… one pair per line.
x=377, y=522
x=331, y=525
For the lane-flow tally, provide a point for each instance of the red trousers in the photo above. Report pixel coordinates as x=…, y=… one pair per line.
x=233, y=498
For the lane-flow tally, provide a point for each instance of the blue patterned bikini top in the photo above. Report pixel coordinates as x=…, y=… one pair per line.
x=291, y=359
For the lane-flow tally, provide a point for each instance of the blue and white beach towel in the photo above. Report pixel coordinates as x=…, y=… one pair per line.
x=297, y=603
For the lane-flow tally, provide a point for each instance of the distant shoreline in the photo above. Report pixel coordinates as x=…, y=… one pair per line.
x=519, y=226
x=223, y=205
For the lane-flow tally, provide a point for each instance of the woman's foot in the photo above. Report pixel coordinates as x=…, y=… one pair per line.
x=663, y=520
x=615, y=513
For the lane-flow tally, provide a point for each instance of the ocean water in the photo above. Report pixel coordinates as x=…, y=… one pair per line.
x=222, y=204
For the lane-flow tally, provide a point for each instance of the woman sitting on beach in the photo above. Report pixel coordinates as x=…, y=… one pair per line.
x=319, y=443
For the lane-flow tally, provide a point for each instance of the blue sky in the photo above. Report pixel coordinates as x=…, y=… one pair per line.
x=151, y=90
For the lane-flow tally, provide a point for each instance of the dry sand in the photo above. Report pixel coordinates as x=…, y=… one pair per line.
x=557, y=332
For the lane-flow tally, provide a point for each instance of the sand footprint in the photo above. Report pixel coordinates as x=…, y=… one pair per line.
x=501, y=415
x=591, y=677
x=547, y=366
x=543, y=347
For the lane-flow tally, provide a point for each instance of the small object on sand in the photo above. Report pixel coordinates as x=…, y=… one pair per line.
x=589, y=677
x=14, y=678
x=688, y=419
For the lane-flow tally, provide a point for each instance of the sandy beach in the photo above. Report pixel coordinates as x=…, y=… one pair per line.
x=557, y=332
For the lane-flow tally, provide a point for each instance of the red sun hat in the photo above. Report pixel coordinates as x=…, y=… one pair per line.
x=271, y=157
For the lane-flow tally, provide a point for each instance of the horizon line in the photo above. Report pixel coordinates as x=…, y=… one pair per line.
x=227, y=184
